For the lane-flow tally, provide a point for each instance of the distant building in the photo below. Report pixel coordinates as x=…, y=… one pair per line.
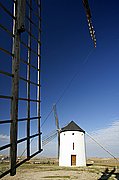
x=72, y=146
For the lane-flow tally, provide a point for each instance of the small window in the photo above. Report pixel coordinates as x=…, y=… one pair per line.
x=64, y=134
x=72, y=133
x=73, y=145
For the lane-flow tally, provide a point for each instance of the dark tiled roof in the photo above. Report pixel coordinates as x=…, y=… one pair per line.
x=72, y=126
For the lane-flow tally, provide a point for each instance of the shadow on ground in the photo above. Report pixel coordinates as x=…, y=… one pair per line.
x=107, y=174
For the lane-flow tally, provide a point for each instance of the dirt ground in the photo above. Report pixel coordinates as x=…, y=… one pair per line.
x=49, y=170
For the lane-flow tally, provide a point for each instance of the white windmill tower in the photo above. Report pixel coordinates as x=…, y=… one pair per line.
x=71, y=144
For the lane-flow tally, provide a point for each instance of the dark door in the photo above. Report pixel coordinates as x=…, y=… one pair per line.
x=73, y=160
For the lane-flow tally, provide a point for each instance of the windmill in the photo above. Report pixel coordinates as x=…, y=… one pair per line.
x=57, y=126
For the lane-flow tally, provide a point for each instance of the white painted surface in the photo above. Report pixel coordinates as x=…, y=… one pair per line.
x=66, y=148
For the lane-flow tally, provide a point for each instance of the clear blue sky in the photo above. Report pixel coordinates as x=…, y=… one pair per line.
x=92, y=99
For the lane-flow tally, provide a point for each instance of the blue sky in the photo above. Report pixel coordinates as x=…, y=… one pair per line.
x=92, y=97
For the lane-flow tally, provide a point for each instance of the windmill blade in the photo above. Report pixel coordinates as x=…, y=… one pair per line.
x=87, y=9
x=56, y=116
x=88, y=14
x=58, y=129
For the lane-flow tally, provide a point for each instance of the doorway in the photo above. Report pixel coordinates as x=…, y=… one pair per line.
x=73, y=160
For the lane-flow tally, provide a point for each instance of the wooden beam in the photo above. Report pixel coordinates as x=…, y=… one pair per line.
x=18, y=6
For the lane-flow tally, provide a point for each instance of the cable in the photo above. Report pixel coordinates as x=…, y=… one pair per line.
x=48, y=135
x=26, y=148
x=49, y=139
x=68, y=85
x=47, y=117
x=102, y=147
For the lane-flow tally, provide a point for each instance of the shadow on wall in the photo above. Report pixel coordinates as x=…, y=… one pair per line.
x=107, y=174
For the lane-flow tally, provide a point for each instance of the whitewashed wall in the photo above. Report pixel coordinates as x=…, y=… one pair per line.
x=66, y=148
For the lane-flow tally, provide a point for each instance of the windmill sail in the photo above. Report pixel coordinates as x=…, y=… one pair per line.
x=88, y=14
x=58, y=129
x=56, y=116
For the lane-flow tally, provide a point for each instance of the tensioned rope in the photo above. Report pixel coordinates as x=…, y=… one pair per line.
x=68, y=85
x=49, y=139
x=49, y=134
x=102, y=146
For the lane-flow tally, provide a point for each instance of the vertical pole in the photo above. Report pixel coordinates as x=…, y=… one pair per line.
x=39, y=67
x=15, y=86
x=17, y=29
x=28, y=85
x=58, y=144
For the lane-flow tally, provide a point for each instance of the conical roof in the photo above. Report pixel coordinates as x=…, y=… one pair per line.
x=72, y=126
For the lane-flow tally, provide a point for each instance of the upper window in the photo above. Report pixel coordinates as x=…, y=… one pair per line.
x=73, y=145
x=72, y=133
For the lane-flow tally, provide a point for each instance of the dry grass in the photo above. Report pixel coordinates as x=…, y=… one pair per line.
x=48, y=169
x=55, y=177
